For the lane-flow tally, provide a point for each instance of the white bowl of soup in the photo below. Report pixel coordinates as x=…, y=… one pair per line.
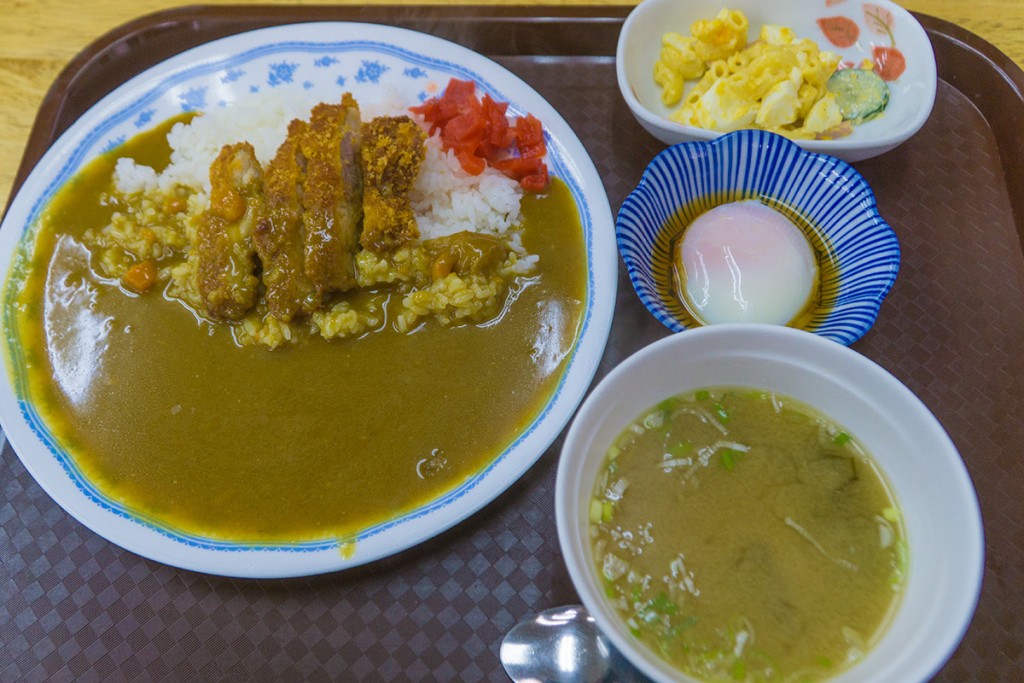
x=695, y=70
x=753, y=502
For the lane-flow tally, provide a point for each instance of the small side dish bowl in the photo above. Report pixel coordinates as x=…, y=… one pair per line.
x=878, y=31
x=858, y=252
x=907, y=443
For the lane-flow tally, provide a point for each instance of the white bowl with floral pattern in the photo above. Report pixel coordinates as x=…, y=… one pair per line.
x=878, y=31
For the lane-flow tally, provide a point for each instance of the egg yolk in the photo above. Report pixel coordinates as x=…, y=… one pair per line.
x=745, y=262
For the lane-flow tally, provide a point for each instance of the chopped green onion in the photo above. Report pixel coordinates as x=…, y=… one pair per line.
x=702, y=395
x=606, y=511
x=729, y=458
x=727, y=461
x=721, y=412
x=609, y=591
x=595, y=511
x=638, y=591
x=825, y=662
x=663, y=604
x=841, y=439
x=654, y=420
x=739, y=670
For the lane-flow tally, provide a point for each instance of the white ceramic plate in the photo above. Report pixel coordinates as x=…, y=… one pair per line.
x=374, y=63
x=878, y=31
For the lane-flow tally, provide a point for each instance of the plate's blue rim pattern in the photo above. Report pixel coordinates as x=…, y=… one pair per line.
x=138, y=111
x=755, y=163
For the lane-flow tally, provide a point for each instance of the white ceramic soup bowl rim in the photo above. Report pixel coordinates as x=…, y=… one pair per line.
x=945, y=541
x=916, y=88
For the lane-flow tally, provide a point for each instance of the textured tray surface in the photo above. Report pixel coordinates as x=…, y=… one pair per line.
x=77, y=607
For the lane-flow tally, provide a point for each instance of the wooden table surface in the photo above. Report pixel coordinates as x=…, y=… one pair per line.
x=41, y=36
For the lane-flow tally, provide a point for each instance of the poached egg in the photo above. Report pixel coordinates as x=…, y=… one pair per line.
x=745, y=262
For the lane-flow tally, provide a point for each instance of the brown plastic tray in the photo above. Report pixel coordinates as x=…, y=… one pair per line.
x=76, y=607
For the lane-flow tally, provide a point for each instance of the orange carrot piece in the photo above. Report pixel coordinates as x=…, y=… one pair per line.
x=141, y=277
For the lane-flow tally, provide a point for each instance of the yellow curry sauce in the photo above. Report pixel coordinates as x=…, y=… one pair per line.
x=167, y=415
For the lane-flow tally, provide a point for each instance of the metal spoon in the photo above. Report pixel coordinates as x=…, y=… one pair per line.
x=563, y=645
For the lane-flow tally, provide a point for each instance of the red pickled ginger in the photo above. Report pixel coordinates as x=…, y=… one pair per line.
x=479, y=133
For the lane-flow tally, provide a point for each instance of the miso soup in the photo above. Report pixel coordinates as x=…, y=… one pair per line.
x=743, y=536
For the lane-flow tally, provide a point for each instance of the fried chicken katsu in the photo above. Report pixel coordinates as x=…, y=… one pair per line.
x=335, y=186
x=278, y=236
x=309, y=232
x=392, y=154
x=332, y=195
x=225, y=256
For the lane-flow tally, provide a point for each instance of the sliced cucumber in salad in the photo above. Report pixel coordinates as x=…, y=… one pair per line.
x=860, y=94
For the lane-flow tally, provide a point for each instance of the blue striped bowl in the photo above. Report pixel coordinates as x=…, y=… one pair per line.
x=832, y=203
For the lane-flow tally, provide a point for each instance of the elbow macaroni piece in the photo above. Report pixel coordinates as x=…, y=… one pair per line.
x=721, y=83
x=720, y=37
